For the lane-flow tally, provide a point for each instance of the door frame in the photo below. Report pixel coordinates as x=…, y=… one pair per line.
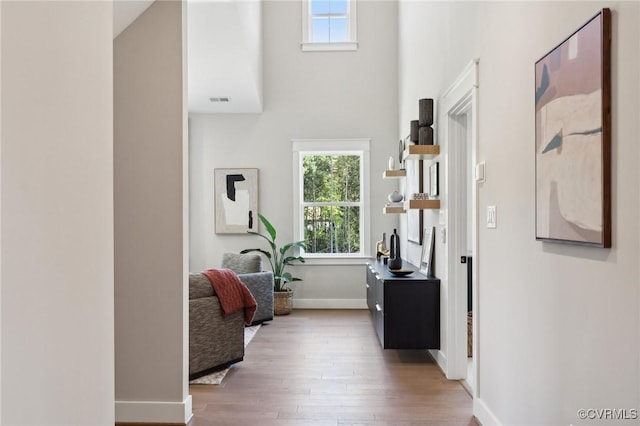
x=461, y=99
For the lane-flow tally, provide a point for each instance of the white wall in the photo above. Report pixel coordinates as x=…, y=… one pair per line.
x=432, y=28
x=307, y=95
x=57, y=213
x=151, y=218
x=559, y=324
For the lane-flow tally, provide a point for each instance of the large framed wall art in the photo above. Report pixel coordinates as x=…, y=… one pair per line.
x=236, y=200
x=573, y=137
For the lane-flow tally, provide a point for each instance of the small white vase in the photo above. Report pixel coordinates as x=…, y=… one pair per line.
x=395, y=197
x=392, y=163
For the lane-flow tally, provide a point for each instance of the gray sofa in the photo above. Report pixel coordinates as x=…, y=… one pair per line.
x=215, y=342
x=260, y=283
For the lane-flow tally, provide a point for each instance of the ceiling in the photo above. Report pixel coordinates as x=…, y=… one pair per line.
x=224, y=52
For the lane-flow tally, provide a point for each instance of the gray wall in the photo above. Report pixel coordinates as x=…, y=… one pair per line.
x=57, y=213
x=559, y=324
x=307, y=95
x=150, y=218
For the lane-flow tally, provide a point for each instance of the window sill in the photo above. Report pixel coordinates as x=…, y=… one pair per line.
x=329, y=47
x=323, y=260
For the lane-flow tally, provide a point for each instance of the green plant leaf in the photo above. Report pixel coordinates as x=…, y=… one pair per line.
x=270, y=229
x=266, y=253
x=271, y=242
x=277, y=257
x=289, y=260
x=289, y=246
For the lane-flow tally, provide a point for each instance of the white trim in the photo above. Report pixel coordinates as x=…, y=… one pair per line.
x=340, y=146
x=484, y=415
x=153, y=411
x=348, y=46
x=329, y=303
x=440, y=358
x=467, y=79
x=460, y=99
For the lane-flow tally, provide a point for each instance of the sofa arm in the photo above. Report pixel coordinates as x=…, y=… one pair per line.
x=215, y=341
x=260, y=285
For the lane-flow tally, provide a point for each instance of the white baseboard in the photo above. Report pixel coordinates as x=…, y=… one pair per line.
x=484, y=415
x=329, y=303
x=441, y=359
x=154, y=411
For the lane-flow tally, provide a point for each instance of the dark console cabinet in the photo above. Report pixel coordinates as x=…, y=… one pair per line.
x=405, y=310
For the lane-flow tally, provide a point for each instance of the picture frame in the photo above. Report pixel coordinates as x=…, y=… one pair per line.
x=414, y=184
x=236, y=201
x=434, y=176
x=573, y=137
x=427, y=257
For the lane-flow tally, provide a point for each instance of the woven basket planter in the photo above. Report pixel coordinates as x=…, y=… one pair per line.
x=282, y=302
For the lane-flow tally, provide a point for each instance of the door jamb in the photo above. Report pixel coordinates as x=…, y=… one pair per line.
x=461, y=99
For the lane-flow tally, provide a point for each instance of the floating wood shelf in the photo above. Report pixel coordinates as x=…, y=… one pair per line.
x=394, y=174
x=421, y=152
x=422, y=204
x=393, y=210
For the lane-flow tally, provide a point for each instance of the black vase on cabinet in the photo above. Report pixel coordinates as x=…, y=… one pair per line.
x=395, y=261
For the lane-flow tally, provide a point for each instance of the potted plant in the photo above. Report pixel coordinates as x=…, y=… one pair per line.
x=279, y=258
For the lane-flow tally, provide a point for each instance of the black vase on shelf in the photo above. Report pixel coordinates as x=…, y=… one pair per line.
x=395, y=261
x=414, y=131
x=425, y=136
x=425, y=113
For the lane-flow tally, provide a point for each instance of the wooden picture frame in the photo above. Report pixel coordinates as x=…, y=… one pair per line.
x=236, y=201
x=414, y=184
x=573, y=137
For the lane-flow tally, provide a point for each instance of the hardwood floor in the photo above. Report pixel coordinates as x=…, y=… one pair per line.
x=325, y=367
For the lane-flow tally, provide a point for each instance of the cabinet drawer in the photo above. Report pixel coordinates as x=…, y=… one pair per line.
x=405, y=311
x=378, y=322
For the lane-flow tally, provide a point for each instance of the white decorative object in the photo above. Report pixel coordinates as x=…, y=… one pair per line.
x=395, y=197
x=392, y=163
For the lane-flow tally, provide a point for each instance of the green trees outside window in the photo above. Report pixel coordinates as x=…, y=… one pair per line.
x=332, y=203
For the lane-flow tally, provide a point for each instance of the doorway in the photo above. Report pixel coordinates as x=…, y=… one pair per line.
x=459, y=114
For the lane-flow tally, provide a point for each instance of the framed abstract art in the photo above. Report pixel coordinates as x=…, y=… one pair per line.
x=236, y=200
x=573, y=137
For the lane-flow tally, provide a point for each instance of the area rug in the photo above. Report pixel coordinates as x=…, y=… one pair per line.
x=217, y=377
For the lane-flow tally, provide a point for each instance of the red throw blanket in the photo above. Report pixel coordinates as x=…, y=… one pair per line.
x=232, y=293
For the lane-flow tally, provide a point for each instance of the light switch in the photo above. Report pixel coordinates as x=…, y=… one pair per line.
x=443, y=235
x=492, y=217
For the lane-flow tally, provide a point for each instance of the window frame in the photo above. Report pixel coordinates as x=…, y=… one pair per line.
x=309, y=46
x=360, y=147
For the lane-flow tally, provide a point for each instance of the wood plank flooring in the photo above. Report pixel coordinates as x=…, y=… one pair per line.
x=327, y=368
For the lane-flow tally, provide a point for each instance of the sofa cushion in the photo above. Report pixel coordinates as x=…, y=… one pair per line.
x=242, y=263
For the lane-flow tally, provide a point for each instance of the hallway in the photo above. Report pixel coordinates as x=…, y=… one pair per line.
x=324, y=367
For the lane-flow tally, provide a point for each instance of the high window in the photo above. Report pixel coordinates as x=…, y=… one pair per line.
x=329, y=25
x=331, y=197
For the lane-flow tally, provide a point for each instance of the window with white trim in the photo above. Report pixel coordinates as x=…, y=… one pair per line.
x=331, y=197
x=329, y=25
